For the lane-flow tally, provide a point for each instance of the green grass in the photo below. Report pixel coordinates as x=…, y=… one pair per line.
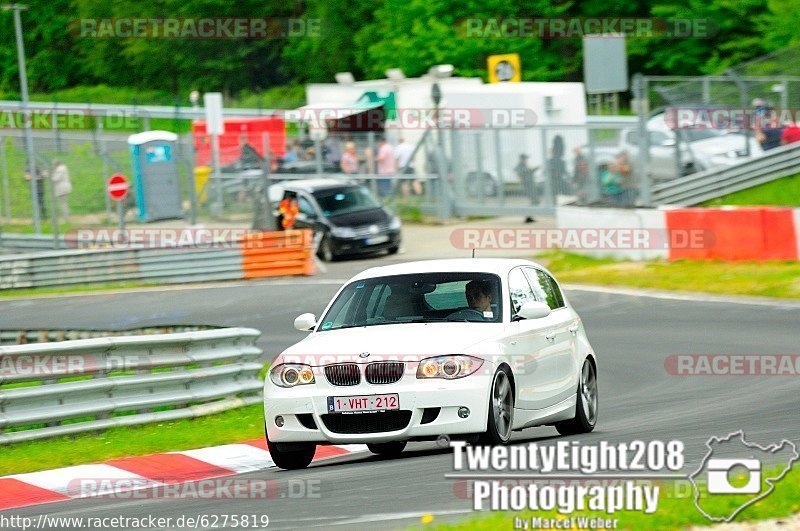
x=672, y=513
x=782, y=192
x=766, y=279
x=86, y=173
x=67, y=290
x=228, y=427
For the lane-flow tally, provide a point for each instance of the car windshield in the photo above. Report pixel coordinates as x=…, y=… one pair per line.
x=337, y=201
x=417, y=298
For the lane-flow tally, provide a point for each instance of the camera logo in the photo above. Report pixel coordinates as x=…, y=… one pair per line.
x=739, y=472
x=719, y=471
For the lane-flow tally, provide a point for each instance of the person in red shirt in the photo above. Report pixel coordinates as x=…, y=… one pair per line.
x=790, y=135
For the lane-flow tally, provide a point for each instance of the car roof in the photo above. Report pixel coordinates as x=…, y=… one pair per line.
x=311, y=185
x=499, y=266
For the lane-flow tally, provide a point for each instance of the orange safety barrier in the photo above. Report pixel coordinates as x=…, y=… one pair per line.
x=278, y=253
x=733, y=235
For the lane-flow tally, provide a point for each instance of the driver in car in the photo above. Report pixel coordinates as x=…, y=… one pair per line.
x=479, y=298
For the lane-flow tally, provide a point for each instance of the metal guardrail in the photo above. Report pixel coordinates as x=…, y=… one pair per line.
x=124, y=381
x=22, y=337
x=290, y=252
x=33, y=242
x=136, y=111
x=710, y=184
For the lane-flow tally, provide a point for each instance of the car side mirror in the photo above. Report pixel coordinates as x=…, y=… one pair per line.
x=305, y=322
x=534, y=310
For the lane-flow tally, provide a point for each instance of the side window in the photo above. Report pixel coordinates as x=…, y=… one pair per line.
x=519, y=289
x=556, y=291
x=306, y=207
x=632, y=138
x=545, y=288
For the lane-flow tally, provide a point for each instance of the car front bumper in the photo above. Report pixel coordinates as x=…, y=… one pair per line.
x=415, y=396
x=362, y=245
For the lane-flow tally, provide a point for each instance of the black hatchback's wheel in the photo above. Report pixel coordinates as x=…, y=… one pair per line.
x=587, y=404
x=501, y=409
x=291, y=456
x=325, y=251
x=389, y=449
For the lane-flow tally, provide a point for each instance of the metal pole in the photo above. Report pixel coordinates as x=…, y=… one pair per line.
x=53, y=209
x=318, y=155
x=549, y=198
x=104, y=170
x=6, y=196
x=218, y=203
x=266, y=220
x=189, y=166
x=23, y=83
x=56, y=130
x=644, y=142
x=121, y=214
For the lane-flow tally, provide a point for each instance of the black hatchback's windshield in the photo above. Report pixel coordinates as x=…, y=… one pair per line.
x=345, y=200
x=417, y=298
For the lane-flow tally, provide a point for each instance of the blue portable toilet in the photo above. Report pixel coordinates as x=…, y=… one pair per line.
x=155, y=175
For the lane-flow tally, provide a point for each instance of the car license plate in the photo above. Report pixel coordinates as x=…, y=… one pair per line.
x=362, y=403
x=377, y=239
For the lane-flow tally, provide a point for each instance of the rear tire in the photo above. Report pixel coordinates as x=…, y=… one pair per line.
x=299, y=456
x=501, y=409
x=586, y=406
x=393, y=448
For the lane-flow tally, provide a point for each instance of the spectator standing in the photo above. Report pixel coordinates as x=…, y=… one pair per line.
x=386, y=167
x=291, y=153
x=349, y=161
x=627, y=179
x=62, y=186
x=580, y=178
x=39, y=178
x=405, y=165
x=768, y=134
x=612, y=183
x=525, y=175
x=556, y=167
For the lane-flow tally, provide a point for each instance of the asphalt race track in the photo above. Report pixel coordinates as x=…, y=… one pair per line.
x=638, y=399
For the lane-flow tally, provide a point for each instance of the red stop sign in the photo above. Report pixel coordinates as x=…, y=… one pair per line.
x=117, y=187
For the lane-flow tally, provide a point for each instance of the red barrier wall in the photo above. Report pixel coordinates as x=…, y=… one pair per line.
x=757, y=234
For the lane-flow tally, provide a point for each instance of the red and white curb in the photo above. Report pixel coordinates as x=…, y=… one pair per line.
x=34, y=488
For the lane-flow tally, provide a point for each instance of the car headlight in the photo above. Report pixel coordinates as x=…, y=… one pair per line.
x=291, y=374
x=448, y=367
x=343, y=232
x=395, y=223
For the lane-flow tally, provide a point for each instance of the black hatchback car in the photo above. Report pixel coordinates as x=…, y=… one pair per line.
x=345, y=214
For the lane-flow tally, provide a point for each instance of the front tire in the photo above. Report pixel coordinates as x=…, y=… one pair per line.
x=392, y=449
x=325, y=251
x=299, y=456
x=586, y=406
x=501, y=409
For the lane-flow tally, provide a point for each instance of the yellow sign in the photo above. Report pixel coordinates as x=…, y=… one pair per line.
x=504, y=68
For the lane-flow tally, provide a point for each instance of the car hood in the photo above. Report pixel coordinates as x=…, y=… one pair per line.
x=373, y=216
x=724, y=143
x=392, y=341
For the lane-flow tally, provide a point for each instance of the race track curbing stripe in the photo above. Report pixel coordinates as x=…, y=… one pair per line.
x=47, y=486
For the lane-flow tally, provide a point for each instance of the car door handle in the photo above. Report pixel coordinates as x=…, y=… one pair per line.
x=550, y=336
x=573, y=330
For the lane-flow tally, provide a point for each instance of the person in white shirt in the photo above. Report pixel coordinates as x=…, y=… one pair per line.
x=62, y=187
x=405, y=165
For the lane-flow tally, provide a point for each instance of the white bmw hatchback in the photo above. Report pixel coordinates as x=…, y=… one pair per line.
x=468, y=348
